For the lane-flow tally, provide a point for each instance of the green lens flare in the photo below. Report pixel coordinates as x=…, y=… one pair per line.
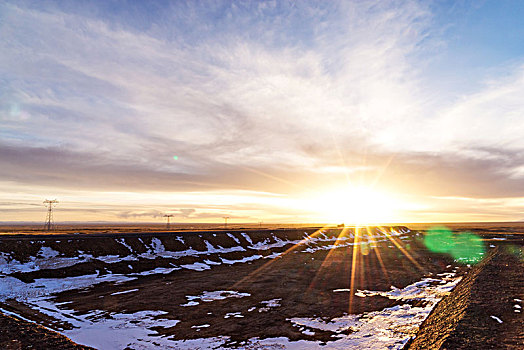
x=175, y=157
x=439, y=239
x=468, y=248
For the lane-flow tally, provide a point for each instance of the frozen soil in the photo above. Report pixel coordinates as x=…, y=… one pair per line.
x=299, y=282
x=237, y=296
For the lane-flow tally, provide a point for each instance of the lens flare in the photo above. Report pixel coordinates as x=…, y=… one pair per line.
x=465, y=247
x=468, y=248
x=439, y=239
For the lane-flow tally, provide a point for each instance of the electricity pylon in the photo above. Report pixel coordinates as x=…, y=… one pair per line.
x=168, y=226
x=49, y=223
x=225, y=218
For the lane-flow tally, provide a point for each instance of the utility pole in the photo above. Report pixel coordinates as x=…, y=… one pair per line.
x=168, y=226
x=49, y=223
x=225, y=218
x=259, y=224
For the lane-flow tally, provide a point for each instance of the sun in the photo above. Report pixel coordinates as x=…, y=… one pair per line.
x=354, y=205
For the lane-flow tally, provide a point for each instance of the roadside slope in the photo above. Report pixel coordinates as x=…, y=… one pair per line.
x=484, y=311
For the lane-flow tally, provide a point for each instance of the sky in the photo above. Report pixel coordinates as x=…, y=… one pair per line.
x=273, y=111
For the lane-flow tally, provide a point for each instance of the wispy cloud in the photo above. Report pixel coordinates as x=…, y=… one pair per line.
x=247, y=95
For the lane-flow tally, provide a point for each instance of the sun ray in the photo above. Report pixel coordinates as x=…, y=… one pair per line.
x=382, y=171
x=264, y=267
x=379, y=258
x=353, y=269
x=401, y=248
x=276, y=178
x=325, y=262
x=361, y=266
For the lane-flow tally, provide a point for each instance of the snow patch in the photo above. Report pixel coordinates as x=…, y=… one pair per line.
x=247, y=238
x=11, y=287
x=269, y=304
x=196, y=266
x=496, y=319
x=234, y=238
x=125, y=291
x=214, y=295
x=246, y=259
x=389, y=328
x=111, y=331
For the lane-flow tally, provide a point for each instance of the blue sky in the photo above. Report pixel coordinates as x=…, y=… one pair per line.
x=481, y=38
x=270, y=107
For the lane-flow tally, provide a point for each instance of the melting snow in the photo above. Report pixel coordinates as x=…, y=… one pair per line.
x=388, y=328
x=11, y=287
x=123, y=242
x=201, y=326
x=417, y=290
x=190, y=303
x=46, y=258
x=111, y=331
x=246, y=236
x=214, y=295
x=157, y=246
x=125, y=291
x=234, y=238
x=111, y=259
x=269, y=304
x=496, y=318
x=196, y=266
x=158, y=270
x=247, y=258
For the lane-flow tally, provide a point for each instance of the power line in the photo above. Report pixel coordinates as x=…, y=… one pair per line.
x=168, y=226
x=49, y=223
x=225, y=218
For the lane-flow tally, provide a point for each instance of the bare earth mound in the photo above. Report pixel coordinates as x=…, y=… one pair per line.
x=483, y=311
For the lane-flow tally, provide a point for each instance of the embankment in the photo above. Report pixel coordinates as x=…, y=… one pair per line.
x=483, y=311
